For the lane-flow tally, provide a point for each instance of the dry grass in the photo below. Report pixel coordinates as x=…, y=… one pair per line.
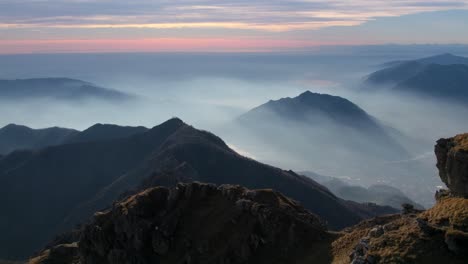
x=449, y=212
x=404, y=241
x=461, y=142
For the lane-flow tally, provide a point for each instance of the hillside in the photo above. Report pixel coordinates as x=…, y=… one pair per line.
x=68, y=183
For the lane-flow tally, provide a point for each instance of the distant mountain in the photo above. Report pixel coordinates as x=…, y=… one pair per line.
x=320, y=118
x=56, y=88
x=15, y=137
x=379, y=193
x=442, y=59
x=18, y=137
x=57, y=187
x=310, y=107
x=442, y=77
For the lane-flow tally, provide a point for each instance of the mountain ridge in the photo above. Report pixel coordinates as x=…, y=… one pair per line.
x=91, y=175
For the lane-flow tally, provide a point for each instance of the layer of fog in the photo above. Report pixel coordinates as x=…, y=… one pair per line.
x=210, y=90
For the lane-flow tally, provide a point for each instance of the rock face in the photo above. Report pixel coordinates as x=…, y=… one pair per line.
x=203, y=223
x=452, y=162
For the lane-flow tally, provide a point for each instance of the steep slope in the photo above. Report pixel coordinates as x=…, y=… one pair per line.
x=68, y=183
x=49, y=183
x=452, y=162
x=15, y=137
x=201, y=223
x=56, y=88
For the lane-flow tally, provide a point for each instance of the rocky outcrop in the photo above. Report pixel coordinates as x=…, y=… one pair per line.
x=452, y=162
x=204, y=223
x=437, y=235
x=59, y=254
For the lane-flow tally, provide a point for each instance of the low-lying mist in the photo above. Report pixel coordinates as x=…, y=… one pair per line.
x=212, y=91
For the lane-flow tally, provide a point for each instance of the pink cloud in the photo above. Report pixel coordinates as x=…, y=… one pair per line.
x=154, y=45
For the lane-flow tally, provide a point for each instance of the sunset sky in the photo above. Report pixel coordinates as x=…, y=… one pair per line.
x=48, y=26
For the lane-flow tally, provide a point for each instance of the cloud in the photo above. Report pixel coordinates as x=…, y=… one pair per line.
x=261, y=15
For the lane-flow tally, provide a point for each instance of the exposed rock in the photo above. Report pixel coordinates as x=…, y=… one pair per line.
x=457, y=241
x=204, y=223
x=60, y=254
x=376, y=231
x=452, y=162
x=442, y=194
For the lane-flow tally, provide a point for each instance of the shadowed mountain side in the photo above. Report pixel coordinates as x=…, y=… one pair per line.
x=67, y=183
x=47, y=184
x=193, y=155
x=56, y=88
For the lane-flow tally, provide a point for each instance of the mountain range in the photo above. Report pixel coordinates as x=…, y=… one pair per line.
x=441, y=77
x=205, y=223
x=61, y=186
x=57, y=88
x=19, y=137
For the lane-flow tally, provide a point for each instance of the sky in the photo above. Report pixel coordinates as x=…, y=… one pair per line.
x=54, y=26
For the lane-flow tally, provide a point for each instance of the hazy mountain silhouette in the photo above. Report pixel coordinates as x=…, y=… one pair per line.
x=443, y=77
x=320, y=118
x=379, y=193
x=15, y=137
x=56, y=88
x=60, y=186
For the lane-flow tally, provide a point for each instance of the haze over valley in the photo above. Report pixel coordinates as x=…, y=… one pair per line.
x=233, y=132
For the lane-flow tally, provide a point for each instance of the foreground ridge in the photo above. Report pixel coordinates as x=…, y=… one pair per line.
x=199, y=223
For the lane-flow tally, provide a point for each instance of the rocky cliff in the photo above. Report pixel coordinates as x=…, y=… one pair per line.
x=199, y=223
x=452, y=162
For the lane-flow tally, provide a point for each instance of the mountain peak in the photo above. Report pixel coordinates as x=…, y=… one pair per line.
x=173, y=122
